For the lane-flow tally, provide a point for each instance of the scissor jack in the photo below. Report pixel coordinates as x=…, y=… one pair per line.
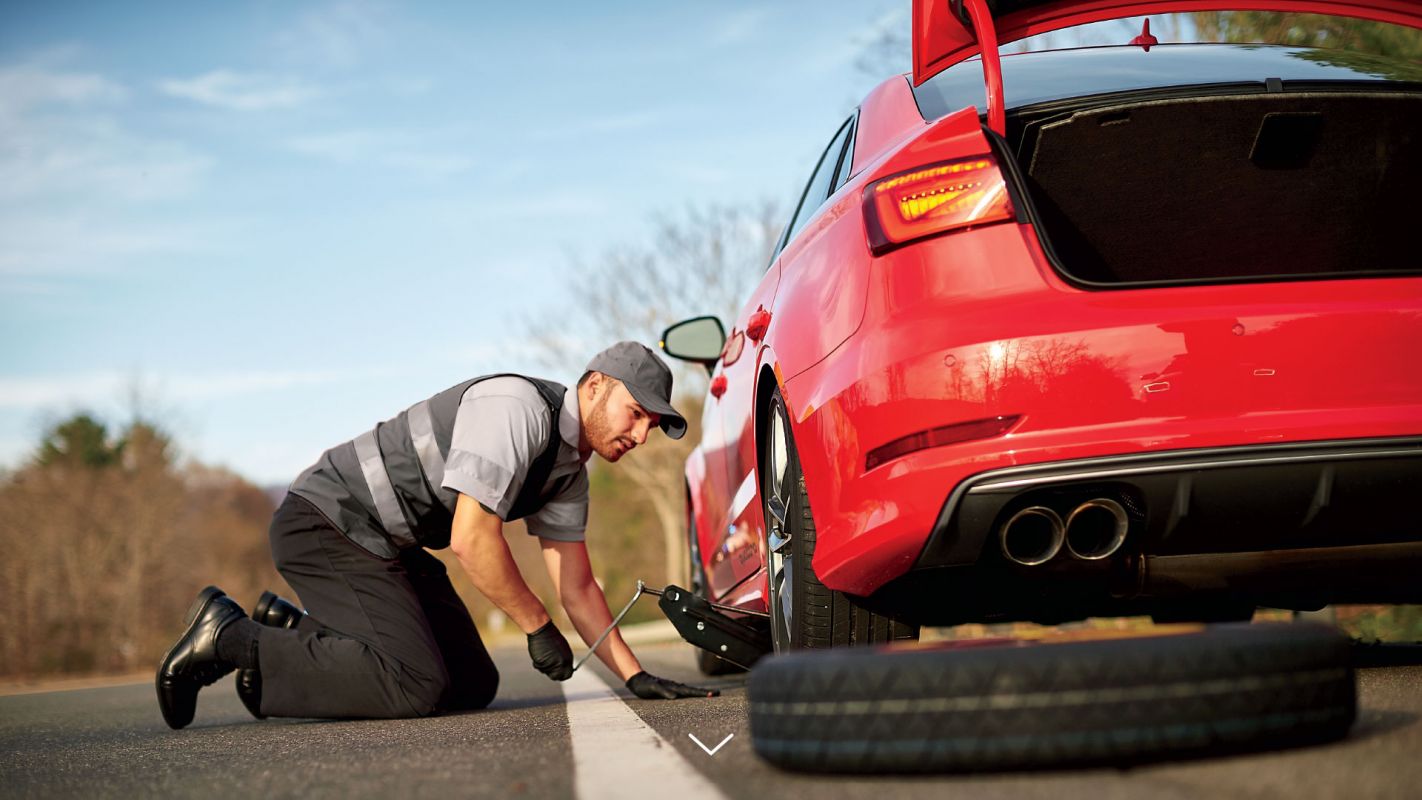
x=701, y=623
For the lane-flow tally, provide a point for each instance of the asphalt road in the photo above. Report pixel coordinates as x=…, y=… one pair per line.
x=111, y=742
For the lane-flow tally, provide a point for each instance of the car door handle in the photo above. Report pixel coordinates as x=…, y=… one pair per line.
x=756, y=325
x=718, y=386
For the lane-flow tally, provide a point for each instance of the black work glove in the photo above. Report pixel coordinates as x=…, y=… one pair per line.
x=550, y=652
x=650, y=687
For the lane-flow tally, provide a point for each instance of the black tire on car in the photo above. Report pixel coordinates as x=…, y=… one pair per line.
x=1218, y=689
x=814, y=616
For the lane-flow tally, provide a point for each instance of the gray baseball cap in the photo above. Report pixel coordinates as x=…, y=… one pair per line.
x=646, y=377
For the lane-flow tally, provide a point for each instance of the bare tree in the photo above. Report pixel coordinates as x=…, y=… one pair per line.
x=1312, y=30
x=703, y=261
x=886, y=50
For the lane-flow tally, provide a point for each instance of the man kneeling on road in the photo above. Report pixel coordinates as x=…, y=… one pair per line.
x=383, y=633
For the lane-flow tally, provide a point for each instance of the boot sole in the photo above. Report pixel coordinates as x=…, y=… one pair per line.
x=264, y=605
x=204, y=598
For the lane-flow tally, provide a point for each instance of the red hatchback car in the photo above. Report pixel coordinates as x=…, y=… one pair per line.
x=1104, y=331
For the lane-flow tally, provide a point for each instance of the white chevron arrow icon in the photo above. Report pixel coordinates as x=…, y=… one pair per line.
x=711, y=751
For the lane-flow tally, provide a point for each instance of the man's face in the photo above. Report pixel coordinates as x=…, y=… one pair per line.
x=615, y=423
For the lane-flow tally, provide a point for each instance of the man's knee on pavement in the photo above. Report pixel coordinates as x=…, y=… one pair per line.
x=473, y=690
x=424, y=688
x=488, y=687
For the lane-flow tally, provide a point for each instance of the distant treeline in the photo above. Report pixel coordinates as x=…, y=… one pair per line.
x=106, y=540
x=107, y=537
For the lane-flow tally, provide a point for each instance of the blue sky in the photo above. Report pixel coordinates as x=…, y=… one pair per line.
x=276, y=223
x=281, y=222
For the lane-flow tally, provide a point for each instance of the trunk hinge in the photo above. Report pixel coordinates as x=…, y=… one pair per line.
x=977, y=18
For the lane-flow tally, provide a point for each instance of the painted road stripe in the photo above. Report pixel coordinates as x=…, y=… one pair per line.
x=613, y=749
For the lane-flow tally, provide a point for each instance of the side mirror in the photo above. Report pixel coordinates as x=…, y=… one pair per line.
x=699, y=340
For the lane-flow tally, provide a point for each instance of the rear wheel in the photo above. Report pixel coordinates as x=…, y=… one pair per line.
x=804, y=612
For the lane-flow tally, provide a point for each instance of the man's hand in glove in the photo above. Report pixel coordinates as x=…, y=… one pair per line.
x=550, y=652
x=650, y=687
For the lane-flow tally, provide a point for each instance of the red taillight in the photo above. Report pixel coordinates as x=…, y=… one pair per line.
x=934, y=199
x=937, y=437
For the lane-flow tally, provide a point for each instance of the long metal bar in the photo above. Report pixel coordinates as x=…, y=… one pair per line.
x=643, y=588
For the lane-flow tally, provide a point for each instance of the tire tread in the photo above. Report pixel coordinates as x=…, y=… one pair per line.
x=1229, y=688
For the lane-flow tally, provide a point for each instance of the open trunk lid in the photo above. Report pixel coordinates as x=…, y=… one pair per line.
x=945, y=32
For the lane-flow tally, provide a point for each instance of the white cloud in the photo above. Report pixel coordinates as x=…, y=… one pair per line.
x=550, y=204
x=430, y=164
x=59, y=140
x=99, y=386
x=406, y=151
x=607, y=123
x=72, y=176
x=342, y=146
x=36, y=393
x=238, y=91
x=692, y=172
x=409, y=87
x=503, y=352
x=93, y=157
x=41, y=246
x=738, y=27
x=26, y=87
x=337, y=34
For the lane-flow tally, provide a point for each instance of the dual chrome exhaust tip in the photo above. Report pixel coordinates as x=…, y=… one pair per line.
x=1094, y=530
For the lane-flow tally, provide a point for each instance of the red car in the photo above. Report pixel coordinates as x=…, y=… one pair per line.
x=1102, y=331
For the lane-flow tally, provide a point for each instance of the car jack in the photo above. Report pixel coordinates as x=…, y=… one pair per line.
x=701, y=623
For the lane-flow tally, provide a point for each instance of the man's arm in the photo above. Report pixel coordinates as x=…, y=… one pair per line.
x=477, y=540
x=586, y=605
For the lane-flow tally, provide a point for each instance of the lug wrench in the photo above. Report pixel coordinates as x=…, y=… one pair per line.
x=642, y=589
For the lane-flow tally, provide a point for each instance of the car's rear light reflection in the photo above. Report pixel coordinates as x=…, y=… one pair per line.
x=934, y=199
x=937, y=437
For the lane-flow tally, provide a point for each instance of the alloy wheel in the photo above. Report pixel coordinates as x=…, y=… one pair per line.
x=780, y=555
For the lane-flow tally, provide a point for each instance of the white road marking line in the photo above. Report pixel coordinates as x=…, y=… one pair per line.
x=613, y=748
x=710, y=751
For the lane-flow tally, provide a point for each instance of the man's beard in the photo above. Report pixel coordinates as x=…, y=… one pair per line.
x=599, y=431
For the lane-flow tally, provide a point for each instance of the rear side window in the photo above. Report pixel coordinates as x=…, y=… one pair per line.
x=846, y=160
x=818, y=188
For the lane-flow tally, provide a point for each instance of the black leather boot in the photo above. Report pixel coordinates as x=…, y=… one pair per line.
x=193, y=662
x=274, y=612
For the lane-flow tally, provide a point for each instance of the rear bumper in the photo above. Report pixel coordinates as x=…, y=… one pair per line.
x=975, y=326
x=1216, y=500
x=1298, y=525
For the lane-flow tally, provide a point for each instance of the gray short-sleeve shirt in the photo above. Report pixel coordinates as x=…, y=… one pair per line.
x=500, y=428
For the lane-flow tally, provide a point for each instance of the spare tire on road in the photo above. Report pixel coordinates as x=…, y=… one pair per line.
x=958, y=706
